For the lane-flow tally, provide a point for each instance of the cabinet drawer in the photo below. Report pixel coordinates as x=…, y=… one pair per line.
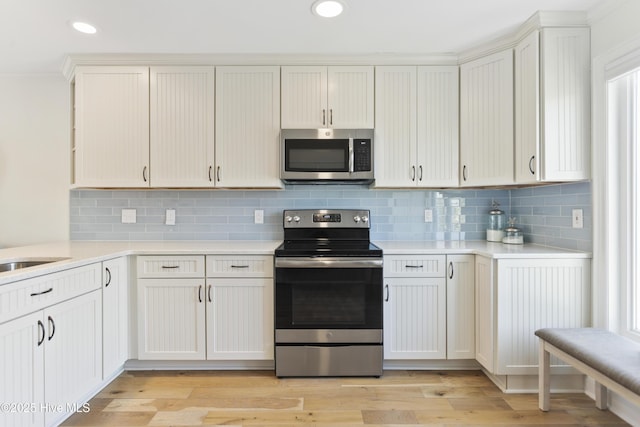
x=239, y=266
x=414, y=265
x=170, y=266
x=27, y=296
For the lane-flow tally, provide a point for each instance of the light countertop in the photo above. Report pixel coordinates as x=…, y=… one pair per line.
x=78, y=253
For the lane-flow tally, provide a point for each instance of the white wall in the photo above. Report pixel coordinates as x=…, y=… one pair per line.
x=34, y=159
x=614, y=25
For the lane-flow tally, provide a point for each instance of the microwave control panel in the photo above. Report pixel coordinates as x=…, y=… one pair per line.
x=361, y=155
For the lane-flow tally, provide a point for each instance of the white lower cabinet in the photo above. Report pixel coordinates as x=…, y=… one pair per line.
x=115, y=315
x=51, y=359
x=515, y=297
x=227, y=316
x=415, y=306
x=461, y=334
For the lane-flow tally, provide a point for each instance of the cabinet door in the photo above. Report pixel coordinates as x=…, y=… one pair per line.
x=304, y=97
x=485, y=325
x=415, y=318
x=350, y=97
x=111, y=127
x=395, y=131
x=461, y=321
x=437, y=117
x=182, y=122
x=248, y=127
x=73, y=351
x=115, y=315
x=240, y=319
x=534, y=294
x=22, y=370
x=527, y=109
x=486, y=120
x=171, y=319
x=565, y=83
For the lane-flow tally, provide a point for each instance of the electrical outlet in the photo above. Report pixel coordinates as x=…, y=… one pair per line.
x=128, y=216
x=578, y=220
x=428, y=215
x=170, y=218
x=258, y=216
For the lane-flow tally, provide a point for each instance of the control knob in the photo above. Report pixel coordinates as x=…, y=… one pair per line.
x=365, y=219
x=288, y=218
x=356, y=218
x=296, y=218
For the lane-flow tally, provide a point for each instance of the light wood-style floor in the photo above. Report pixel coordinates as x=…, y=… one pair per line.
x=259, y=399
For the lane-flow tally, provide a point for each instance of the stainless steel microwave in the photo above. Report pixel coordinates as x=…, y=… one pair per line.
x=327, y=156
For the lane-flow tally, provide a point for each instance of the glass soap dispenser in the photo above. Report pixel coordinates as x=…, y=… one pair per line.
x=495, y=232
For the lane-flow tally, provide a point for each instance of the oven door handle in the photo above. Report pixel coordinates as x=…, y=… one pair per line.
x=327, y=262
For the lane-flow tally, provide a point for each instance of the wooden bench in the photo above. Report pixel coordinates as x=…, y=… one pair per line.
x=610, y=359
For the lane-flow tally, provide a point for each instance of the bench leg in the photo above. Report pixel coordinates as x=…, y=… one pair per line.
x=601, y=396
x=544, y=386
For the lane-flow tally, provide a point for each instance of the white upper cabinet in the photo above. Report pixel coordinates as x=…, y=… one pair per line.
x=247, y=127
x=395, y=133
x=182, y=126
x=338, y=97
x=111, y=127
x=486, y=121
x=552, y=106
x=416, y=135
x=437, y=118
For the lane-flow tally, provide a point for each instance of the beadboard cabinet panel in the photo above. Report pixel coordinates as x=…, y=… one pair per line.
x=182, y=126
x=438, y=124
x=22, y=369
x=115, y=311
x=338, y=97
x=248, y=127
x=461, y=336
x=415, y=318
x=240, y=319
x=171, y=319
x=350, y=97
x=395, y=136
x=111, y=127
x=486, y=121
x=534, y=294
x=552, y=106
x=485, y=313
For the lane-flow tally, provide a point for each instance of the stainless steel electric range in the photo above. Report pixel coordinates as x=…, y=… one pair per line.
x=328, y=295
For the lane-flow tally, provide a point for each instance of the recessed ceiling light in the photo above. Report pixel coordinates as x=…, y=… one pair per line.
x=83, y=27
x=327, y=8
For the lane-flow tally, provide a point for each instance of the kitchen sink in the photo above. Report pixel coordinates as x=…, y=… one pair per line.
x=26, y=262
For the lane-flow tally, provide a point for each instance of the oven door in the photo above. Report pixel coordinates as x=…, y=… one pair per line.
x=328, y=300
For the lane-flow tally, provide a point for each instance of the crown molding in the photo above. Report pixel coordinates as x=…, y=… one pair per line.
x=510, y=39
x=73, y=61
x=540, y=19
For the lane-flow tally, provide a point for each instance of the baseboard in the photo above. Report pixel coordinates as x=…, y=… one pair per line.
x=213, y=365
x=616, y=404
x=512, y=384
x=431, y=365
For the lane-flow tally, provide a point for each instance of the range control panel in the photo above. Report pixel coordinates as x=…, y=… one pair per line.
x=326, y=218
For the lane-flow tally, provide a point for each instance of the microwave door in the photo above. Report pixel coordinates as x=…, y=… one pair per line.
x=351, y=156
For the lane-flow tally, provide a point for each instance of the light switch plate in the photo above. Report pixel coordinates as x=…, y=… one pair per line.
x=428, y=215
x=128, y=216
x=577, y=218
x=170, y=217
x=258, y=216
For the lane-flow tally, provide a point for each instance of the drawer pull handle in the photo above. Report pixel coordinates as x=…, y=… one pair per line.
x=41, y=329
x=170, y=267
x=413, y=266
x=239, y=266
x=35, y=294
x=53, y=327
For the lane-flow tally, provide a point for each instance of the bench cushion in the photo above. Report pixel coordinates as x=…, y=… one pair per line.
x=611, y=354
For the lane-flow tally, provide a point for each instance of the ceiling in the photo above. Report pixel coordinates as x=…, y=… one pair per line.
x=36, y=36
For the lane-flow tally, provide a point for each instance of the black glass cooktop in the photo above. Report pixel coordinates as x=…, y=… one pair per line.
x=328, y=248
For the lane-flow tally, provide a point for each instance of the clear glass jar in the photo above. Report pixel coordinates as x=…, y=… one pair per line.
x=497, y=223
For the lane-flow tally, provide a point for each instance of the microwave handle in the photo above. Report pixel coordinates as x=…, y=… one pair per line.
x=350, y=155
